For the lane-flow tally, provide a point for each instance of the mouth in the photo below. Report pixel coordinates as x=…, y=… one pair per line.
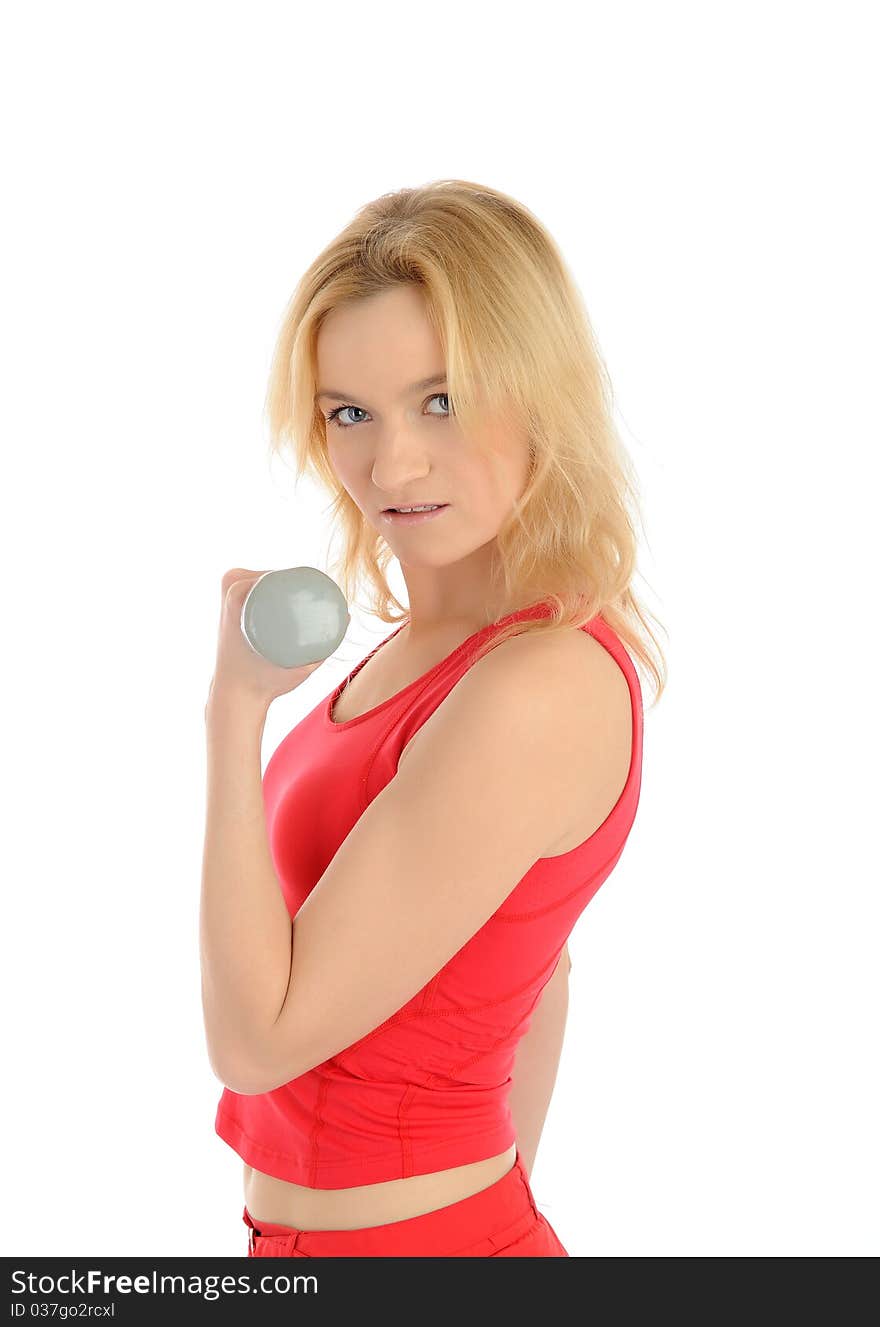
x=396, y=517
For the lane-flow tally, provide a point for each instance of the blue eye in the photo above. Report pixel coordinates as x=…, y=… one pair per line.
x=333, y=417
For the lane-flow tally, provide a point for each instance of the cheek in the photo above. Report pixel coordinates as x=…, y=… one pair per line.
x=503, y=477
x=341, y=463
x=518, y=468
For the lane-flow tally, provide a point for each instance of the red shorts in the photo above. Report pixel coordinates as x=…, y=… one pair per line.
x=501, y=1221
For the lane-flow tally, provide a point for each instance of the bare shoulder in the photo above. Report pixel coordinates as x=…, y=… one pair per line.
x=573, y=651
x=556, y=706
x=584, y=749
x=570, y=678
x=598, y=683
x=569, y=675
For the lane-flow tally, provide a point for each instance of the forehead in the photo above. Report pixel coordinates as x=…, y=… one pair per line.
x=384, y=343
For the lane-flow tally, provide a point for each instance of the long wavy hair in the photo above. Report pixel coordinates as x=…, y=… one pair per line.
x=517, y=340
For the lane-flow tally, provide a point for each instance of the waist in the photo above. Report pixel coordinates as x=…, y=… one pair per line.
x=270, y=1199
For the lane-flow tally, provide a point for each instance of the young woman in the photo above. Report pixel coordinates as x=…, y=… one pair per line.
x=385, y=913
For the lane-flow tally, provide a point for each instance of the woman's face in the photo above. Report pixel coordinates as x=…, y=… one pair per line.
x=393, y=443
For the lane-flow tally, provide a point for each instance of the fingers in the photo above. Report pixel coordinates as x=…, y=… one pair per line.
x=233, y=577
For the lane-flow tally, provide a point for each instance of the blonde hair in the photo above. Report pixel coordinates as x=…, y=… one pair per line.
x=517, y=340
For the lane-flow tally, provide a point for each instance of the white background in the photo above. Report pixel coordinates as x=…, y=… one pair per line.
x=707, y=171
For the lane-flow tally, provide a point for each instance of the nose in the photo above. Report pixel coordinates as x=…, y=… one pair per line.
x=400, y=462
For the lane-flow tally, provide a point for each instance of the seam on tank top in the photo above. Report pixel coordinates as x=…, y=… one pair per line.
x=500, y=916
x=481, y=1055
x=429, y=993
x=317, y=1126
x=454, y=1071
x=406, y=1158
x=353, y=1161
x=407, y=1098
x=403, y=1134
x=403, y=1131
x=448, y=1012
x=436, y=673
x=385, y=733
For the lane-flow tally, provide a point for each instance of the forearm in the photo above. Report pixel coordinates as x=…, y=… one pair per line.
x=537, y=1063
x=245, y=929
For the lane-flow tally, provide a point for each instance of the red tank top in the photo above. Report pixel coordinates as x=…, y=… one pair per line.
x=427, y=1089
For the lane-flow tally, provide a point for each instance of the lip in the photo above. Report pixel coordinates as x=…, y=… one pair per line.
x=413, y=517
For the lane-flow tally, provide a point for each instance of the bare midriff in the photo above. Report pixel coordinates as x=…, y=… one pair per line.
x=271, y=1199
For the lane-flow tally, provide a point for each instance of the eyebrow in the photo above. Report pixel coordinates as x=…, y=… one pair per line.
x=420, y=386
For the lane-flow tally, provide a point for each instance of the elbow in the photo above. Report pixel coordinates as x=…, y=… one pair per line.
x=251, y=1058
x=235, y=1053
x=233, y=1074
x=235, y=1068
x=247, y=1074
x=243, y=1083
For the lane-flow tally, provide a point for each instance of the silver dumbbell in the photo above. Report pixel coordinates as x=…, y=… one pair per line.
x=294, y=616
